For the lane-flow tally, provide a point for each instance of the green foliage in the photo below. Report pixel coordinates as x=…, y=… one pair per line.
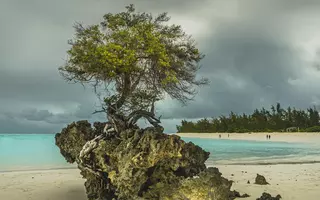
x=312, y=129
x=137, y=56
x=276, y=120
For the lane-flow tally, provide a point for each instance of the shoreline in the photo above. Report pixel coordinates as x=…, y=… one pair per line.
x=37, y=169
x=290, y=177
x=311, y=139
x=210, y=164
x=271, y=163
x=290, y=181
x=289, y=137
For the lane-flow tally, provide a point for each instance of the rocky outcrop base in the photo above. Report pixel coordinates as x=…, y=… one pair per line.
x=261, y=180
x=141, y=164
x=267, y=196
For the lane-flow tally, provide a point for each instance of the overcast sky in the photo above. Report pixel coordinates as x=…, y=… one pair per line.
x=258, y=52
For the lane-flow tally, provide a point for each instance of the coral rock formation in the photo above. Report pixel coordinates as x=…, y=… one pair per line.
x=261, y=180
x=267, y=196
x=141, y=164
x=236, y=194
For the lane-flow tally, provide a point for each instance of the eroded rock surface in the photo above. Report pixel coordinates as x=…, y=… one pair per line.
x=235, y=194
x=142, y=164
x=267, y=196
x=261, y=180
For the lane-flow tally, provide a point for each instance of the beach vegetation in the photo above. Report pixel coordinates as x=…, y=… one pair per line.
x=312, y=129
x=276, y=119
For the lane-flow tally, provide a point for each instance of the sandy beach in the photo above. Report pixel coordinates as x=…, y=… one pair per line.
x=291, y=181
x=62, y=184
x=311, y=138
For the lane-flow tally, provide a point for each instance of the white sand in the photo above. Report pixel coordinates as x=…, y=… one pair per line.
x=311, y=138
x=291, y=181
x=64, y=184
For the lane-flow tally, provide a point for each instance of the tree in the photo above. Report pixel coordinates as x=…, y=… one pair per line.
x=137, y=59
x=261, y=120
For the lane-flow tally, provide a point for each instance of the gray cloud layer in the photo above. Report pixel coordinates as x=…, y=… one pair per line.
x=258, y=52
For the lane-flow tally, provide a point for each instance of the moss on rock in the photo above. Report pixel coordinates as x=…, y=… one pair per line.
x=142, y=164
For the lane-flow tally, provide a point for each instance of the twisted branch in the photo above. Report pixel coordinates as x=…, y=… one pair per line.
x=117, y=123
x=89, y=146
x=87, y=149
x=133, y=117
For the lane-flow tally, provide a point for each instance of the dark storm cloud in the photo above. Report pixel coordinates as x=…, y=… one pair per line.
x=34, y=34
x=253, y=58
x=252, y=61
x=36, y=115
x=15, y=126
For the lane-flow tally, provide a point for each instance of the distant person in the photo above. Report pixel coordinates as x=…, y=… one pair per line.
x=269, y=137
x=219, y=136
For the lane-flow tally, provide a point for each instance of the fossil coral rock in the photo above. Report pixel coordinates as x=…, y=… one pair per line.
x=208, y=185
x=141, y=164
x=261, y=180
x=267, y=196
x=235, y=194
x=72, y=138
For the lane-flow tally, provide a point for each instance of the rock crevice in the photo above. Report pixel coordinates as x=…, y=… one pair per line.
x=141, y=164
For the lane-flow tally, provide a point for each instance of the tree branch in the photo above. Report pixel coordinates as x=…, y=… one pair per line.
x=125, y=91
x=99, y=111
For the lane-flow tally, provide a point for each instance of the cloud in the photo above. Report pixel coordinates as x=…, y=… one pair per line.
x=255, y=60
x=36, y=115
x=258, y=53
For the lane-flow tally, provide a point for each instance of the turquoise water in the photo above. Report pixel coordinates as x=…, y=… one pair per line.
x=245, y=150
x=25, y=151
x=19, y=151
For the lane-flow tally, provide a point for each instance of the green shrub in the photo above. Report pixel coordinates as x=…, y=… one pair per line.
x=313, y=129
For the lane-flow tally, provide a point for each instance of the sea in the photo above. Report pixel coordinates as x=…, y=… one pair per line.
x=38, y=151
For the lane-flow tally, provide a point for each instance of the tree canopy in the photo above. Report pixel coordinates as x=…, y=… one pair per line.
x=276, y=119
x=138, y=59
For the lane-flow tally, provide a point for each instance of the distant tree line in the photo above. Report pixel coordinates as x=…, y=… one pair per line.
x=275, y=120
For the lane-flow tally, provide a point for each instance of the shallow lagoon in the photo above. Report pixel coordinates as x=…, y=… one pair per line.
x=38, y=151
